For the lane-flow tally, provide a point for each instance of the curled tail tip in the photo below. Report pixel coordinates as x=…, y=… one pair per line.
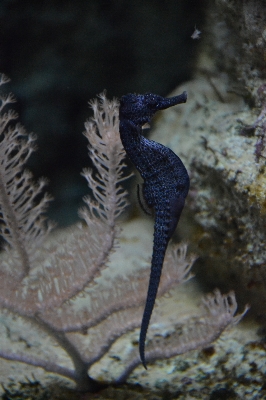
x=142, y=357
x=142, y=353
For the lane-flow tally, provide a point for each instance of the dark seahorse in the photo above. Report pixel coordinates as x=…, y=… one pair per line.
x=165, y=187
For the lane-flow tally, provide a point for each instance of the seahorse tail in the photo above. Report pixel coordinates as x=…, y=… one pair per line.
x=161, y=238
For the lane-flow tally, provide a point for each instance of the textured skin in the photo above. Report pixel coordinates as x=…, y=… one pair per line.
x=165, y=187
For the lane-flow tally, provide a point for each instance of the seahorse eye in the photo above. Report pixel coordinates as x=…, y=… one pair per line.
x=153, y=102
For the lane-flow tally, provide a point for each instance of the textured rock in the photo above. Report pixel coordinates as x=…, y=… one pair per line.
x=219, y=134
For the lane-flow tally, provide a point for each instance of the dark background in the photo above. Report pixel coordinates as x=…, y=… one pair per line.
x=59, y=54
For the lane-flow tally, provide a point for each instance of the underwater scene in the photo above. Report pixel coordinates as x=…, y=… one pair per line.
x=132, y=200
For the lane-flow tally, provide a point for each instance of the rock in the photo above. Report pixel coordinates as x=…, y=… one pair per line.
x=219, y=134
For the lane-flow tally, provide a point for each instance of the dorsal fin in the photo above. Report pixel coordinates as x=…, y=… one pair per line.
x=143, y=204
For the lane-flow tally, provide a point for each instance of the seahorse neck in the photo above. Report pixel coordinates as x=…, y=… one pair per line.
x=135, y=144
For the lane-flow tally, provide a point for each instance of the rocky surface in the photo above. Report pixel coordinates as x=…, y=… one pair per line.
x=219, y=134
x=234, y=365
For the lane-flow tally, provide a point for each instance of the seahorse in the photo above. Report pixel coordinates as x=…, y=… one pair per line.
x=165, y=187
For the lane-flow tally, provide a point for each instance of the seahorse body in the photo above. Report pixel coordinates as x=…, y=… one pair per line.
x=165, y=187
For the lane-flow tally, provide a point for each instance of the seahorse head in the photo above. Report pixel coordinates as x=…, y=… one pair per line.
x=140, y=108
